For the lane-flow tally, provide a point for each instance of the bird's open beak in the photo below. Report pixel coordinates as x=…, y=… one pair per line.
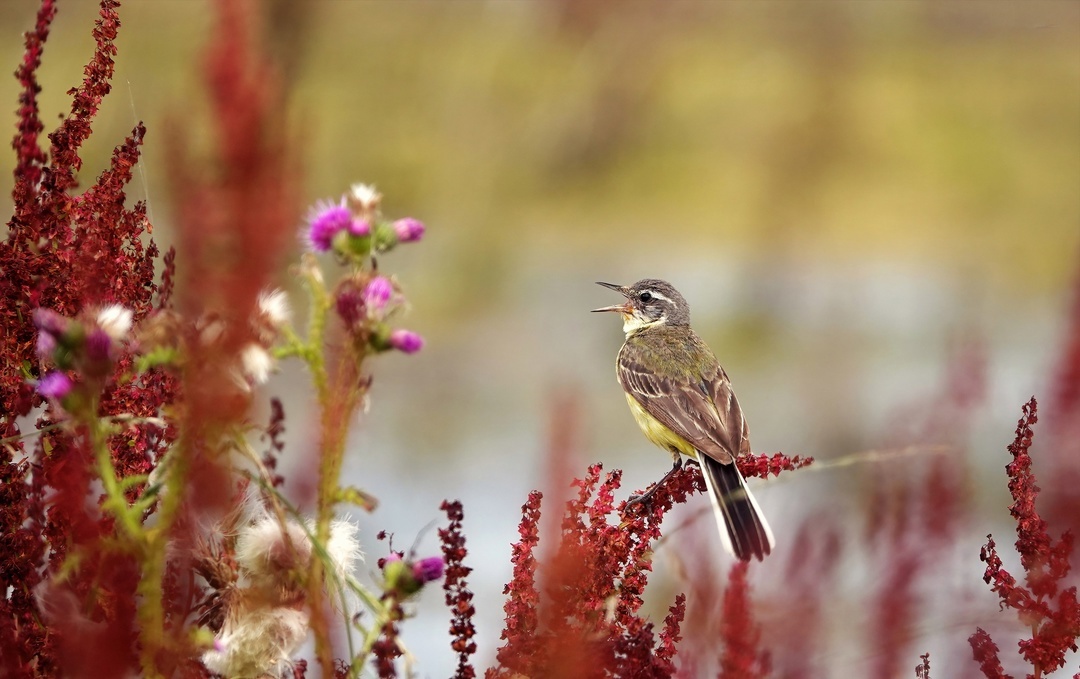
x=621, y=308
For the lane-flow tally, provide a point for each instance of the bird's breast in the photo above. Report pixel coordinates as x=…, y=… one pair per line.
x=657, y=432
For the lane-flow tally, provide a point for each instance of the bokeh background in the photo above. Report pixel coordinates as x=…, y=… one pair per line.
x=853, y=196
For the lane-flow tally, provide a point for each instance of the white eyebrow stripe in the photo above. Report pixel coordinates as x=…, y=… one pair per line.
x=656, y=294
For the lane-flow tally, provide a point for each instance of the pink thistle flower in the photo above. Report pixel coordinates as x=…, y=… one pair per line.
x=360, y=227
x=99, y=345
x=429, y=569
x=406, y=341
x=55, y=386
x=408, y=230
x=377, y=293
x=325, y=220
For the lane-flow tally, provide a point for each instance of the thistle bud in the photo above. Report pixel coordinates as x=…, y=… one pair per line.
x=47, y=320
x=55, y=386
x=360, y=227
x=349, y=304
x=406, y=341
x=408, y=578
x=408, y=230
x=46, y=345
x=99, y=346
x=429, y=569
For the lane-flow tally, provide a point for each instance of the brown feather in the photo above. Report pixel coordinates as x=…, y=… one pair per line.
x=701, y=408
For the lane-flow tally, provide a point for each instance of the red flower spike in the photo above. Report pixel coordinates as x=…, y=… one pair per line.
x=458, y=596
x=762, y=466
x=670, y=636
x=985, y=652
x=275, y=430
x=523, y=599
x=811, y=568
x=922, y=670
x=1052, y=613
x=585, y=620
x=386, y=649
x=29, y=156
x=742, y=657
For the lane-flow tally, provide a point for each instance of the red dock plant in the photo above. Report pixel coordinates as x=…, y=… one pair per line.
x=579, y=613
x=70, y=254
x=1042, y=604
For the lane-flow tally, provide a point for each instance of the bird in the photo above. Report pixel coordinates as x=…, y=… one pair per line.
x=683, y=401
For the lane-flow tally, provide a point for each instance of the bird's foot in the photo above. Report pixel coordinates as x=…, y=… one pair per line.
x=647, y=495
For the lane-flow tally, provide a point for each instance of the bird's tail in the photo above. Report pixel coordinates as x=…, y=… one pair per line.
x=743, y=528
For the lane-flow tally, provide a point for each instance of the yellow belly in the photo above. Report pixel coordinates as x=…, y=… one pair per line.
x=658, y=433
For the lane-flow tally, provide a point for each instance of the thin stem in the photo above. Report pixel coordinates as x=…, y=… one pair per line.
x=115, y=502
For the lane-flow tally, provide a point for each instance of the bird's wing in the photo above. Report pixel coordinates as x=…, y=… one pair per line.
x=704, y=411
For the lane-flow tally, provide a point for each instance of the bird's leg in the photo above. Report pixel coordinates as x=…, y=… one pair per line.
x=644, y=497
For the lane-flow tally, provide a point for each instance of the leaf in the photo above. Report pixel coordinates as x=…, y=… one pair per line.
x=355, y=496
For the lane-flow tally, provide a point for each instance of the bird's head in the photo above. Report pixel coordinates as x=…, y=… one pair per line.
x=649, y=302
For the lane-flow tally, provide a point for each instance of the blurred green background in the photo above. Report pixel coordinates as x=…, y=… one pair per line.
x=850, y=194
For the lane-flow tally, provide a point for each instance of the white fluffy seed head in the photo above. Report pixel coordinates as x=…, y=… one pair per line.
x=257, y=640
x=265, y=554
x=256, y=363
x=364, y=198
x=344, y=547
x=115, y=320
x=274, y=305
x=262, y=631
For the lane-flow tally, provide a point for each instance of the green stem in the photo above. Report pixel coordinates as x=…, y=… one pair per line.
x=384, y=615
x=331, y=450
x=148, y=544
x=115, y=502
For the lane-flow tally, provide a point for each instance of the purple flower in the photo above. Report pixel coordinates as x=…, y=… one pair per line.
x=46, y=344
x=325, y=220
x=377, y=293
x=99, y=346
x=408, y=577
x=431, y=568
x=55, y=386
x=50, y=321
x=406, y=341
x=360, y=227
x=350, y=306
x=408, y=229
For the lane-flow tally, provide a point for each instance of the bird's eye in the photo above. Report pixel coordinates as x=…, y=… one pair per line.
x=645, y=296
